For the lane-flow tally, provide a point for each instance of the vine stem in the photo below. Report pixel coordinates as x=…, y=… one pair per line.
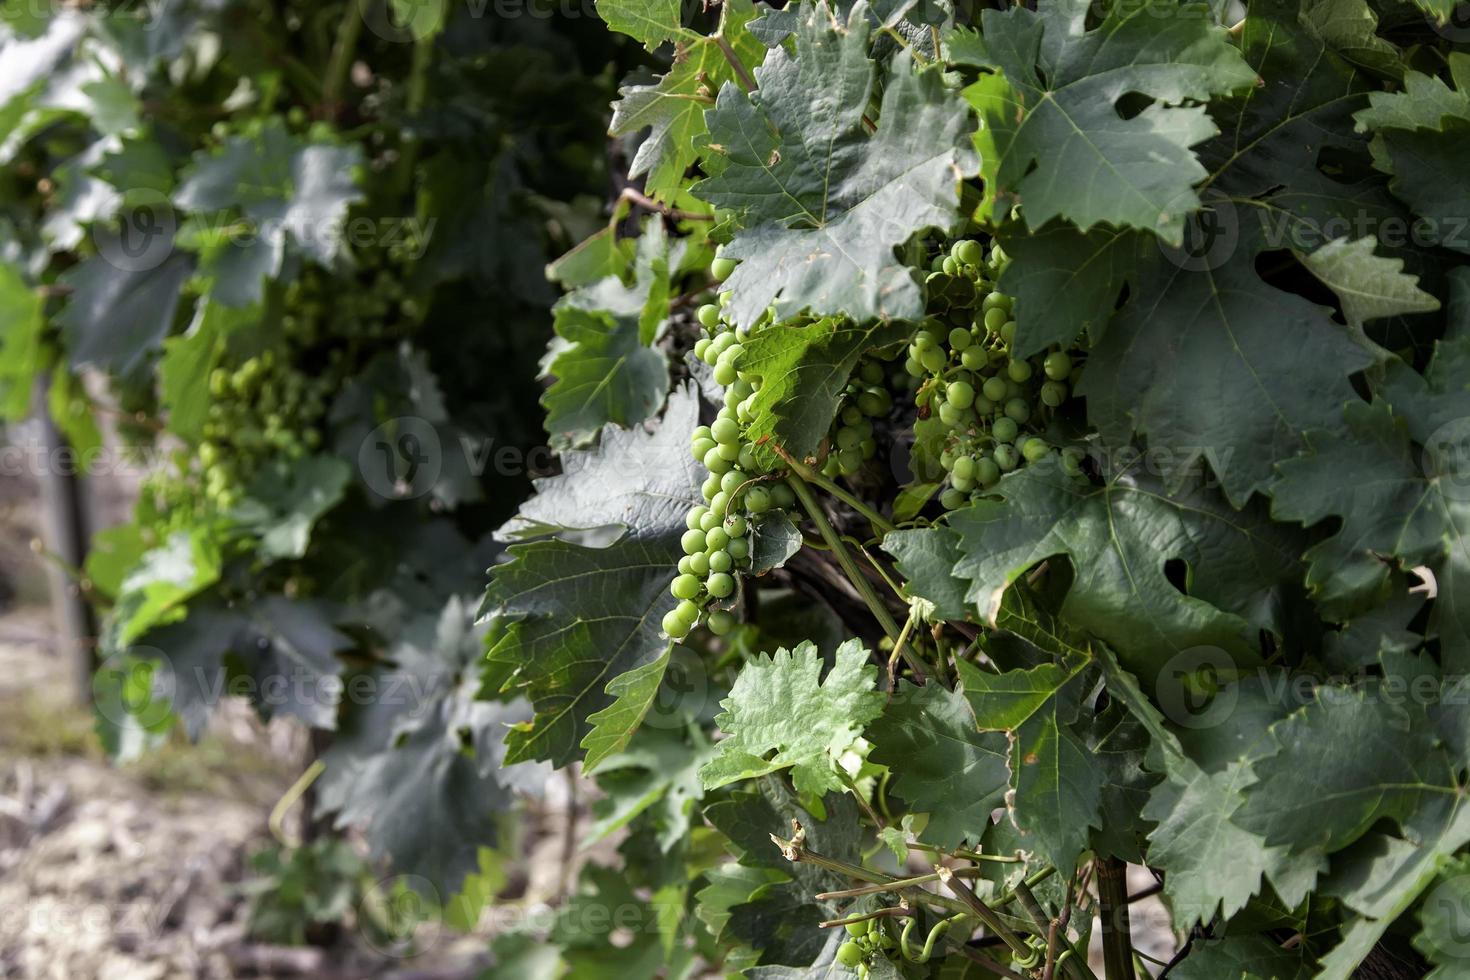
x=277, y=820
x=348, y=32
x=1112, y=894
x=747, y=81
x=812, y=476
x=849, y=567
x=987, y=915
x=649, y=204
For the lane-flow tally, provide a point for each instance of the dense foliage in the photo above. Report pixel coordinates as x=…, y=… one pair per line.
x=1012, y=444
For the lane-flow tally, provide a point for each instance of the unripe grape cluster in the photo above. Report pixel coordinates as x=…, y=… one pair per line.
x=273, y=404
x=864, y=399
x=993, y=405
x=866, y=941
x=738, y=493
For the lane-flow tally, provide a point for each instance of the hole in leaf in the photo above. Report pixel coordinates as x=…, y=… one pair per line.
x=1176, y=570
x=1131, y=104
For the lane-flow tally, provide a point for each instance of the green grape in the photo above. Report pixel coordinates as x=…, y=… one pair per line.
x=950, y=415
x=720, y=622
x=757, y=500
x=952, y=499
x=1007, y=458
x=685, y=564
x=716, y=463
x=1053, y=393
x=702, y=447
x=685, y=587
x=735, y=526
x=950, y=266
x=715, y=539
x=923, y=340
x=960, y=394
x=974, y=358
x=1035, y=449
x=994, y=389
x=720, y=584
x=701, y=347
x=964, y=468
x=1019, y=371
x=871, y=372
x=719, y=505
x=732, y=480
x=986, y=472
x=783, y=497
x=720, y=561
x=692, y=542
x=1017, y=409
x=746, y=461
x=721, y=269
x=708, y=315
x=729, y=451
x=688, y=611
x=874, y=402
x=1057, y=365
x=933, y=360
x=725, y=373
x=711, y=485
x=857, y=929
x=1004, y=429
x=850, y=415
x=849, y=954
x=960, y=339
x=968, y=252
x=739, y=548
x=699, y=564
x=913, y=368
x=675, y=626
x=995, y=318
x=1008, y=332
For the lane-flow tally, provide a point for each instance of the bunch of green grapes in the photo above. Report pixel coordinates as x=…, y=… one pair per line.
x=866, y=942
x=738, y=493
x=864, y=399
x=994, y=406
x=273, y=405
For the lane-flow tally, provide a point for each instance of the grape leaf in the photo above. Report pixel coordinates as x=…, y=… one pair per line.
x=1244, y=957
x=116, y=317
x=821, y=205
x=1410, y=506
x=287, y=498
x=1053, y=138
x=803, y=370
x=650, y=21
x=604, y=366
x=1119, y=537
x=1276, y=363
x=1368, y=286
x=187, y=361
x=292, y=189
x=398, y=768
x=942, y=764
x=926, y=560
x=583, y=616
x=635, y=479
x=673, y=108
x=165, y=578
x=614, y=726
x=1417, y=136
x=777, y=706
x=1065, y=282
x=1057, y=783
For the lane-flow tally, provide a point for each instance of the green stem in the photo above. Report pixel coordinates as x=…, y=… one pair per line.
x=1117, y=942
x=812, y=476
x=348, y=32
x=849, y=567
x=987, y=915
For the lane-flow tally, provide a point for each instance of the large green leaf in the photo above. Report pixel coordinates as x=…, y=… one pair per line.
x=1369, y=286
x=779, y=717
x=1418, y=135
x=821, y=202
x=673, y=108
x=1119, y=538
x=603, y=363
x=118, y=316
x=942, y=764
x=1053, y=138
x=21, y=320
x=803, y=370
x=1407, y=504
x=583, y=616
